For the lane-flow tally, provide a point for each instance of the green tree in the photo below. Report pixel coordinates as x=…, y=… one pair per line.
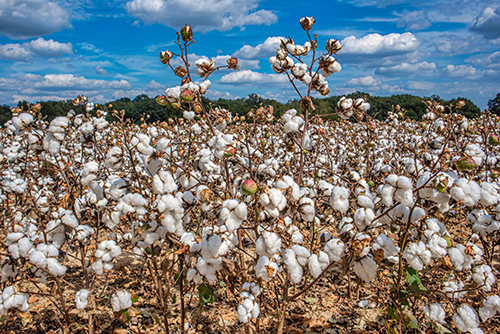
x=494, y=105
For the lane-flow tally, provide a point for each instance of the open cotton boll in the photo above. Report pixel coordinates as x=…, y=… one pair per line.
x=81, y=299
x=467, y=192
x=121, y=300
x=483, y=276
x=385, y=243
x=435, y=313
x=11, y=299
x=462, y=260
x=417, y=255
x=438, y=246
x=265, y=269
x=318, y=264
x=114, y=158
x=82, y=232
x=451, y=286
x=55, y=268
x=335, y=249
x=268, y=244
x=363, y=218
x=466, y=318
x=306, y=209
x=473, y=151
x=68, y=218
x=366, y=268
x=302, y=254
x=339, y=199
x=164, y=183
x=491, y=307
x=294, y=268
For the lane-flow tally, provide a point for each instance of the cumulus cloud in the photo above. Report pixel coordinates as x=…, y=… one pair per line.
x=59, y=82
x=374, y=50
x=407, y=69
x=89, y=47
x=367, y=81
x=250, y=77
x=23, y=19
x=36, y=48
x=454, y=44
x=34, y=87
x=491, y=61
x=264, y=50
x=487, y=23
x=380, y=46
x=416, y=20
x=460, y=71
x=203, y=15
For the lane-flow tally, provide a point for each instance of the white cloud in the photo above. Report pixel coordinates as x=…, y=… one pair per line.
x=22, y=19
x=380, y=46
x=416, y=20
x=202, y=15
x=89, y=47
x=462, y=71
x=486, y=60
x=249, y=77
x=36, y=48
x=367, y=81
x=487, y=23
x=155, y=86
x=34, y=87
x=407, y=69
x=454, y=44
x=420, y=85
x=266, y=49
x=99, y=70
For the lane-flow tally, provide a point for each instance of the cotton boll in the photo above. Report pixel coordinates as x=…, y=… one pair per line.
x=314, y=266
x=437, y=246
x=435, y=313
x=306, y=209
x=385, y=243
x=302, y=254
x=466, y=318
x=294, y=268
x=451, y=286
x=483, y=276
x=265, y=269
x=121, y=300
x=335, y=249
x=417, y=255
x=339, y=199
x=491, y=307
x=366, y=268
x=55, y=268
x=268, y=244
x=81, y=299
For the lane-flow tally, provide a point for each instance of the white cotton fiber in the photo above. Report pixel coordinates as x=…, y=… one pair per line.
x=294, y=268
x=81, y=299
x=121, y=300
x=366, y=269
x=435, y=313
x=466, y=318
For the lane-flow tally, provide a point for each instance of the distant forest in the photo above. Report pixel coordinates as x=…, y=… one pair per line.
x=143, y=105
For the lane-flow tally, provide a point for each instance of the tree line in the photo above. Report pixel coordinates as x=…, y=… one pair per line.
x=144, y=107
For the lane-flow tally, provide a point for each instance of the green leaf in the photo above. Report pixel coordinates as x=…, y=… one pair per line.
x=134, y=298
x=414, y=283
x=391, y=312
x=410, y=321
x=205, y=294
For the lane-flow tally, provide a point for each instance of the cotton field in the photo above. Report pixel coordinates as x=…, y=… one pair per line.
x=154, y=227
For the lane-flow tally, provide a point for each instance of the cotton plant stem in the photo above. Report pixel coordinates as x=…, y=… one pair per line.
x=63, y=304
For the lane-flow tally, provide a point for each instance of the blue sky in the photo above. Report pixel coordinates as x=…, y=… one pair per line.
x=51, y=50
